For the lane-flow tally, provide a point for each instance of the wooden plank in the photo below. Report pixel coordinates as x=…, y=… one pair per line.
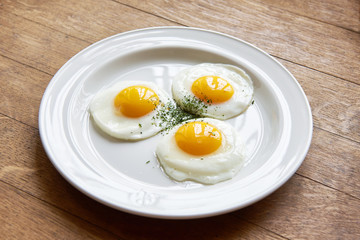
x=36, y=45
x=21, y=90
x=347, y=121
x=334, y=162
x=83, y=19
x=26, y=167
x=345, y=13
x=324, y=109
x=47, y=49
x=304, y=210
x=335, y=104
x=25, y=217
x=317, y=45
x=47, y=206
x=281, y=33
x=299, y=204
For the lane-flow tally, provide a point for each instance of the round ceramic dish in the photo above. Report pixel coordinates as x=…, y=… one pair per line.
x=277, y=127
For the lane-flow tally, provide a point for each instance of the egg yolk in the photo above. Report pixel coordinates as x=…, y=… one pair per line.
x=136, y=101
x=212, y=89
x=198, y=138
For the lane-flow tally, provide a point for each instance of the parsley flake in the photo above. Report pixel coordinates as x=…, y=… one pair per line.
x=169, y=115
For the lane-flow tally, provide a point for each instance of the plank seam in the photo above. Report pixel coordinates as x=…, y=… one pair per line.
x=311, y=18
x=335, y=189
x=314, y=19
x=152, y=14
x=329, y=74
x=248, y=221
x=61, y=209
x=336, y=134
x=27, y=65
x=26, y=124
x=88, y=42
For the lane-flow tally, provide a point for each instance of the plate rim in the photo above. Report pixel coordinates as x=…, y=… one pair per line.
x=293, y=169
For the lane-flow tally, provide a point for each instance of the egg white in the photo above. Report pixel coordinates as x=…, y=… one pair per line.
x=239, y=80
x=120, y=126
x=223, y=164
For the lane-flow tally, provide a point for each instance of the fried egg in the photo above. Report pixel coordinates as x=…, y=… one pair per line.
x=204, y=150
x=213, y=90
x=127, y=109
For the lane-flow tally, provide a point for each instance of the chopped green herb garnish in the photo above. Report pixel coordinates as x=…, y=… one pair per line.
x=252, y=101
x=169, y=115
x=140, y=125
x=147, y=162
x=194, y=105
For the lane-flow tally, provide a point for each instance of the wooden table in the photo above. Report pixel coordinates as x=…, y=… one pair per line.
x=318, y=41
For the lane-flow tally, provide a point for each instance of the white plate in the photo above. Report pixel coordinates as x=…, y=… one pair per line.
x=277, y=128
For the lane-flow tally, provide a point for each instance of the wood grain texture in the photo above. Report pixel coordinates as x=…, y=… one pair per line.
x=84, y=20
x=334, y=162
x=293, y=37
x=26, y=217
x=345, y=13
x=25, y=166
x=335, y=105
x=318, y=41
x=21, y=90
x=47, y=49
x=34, y=45
x=289, y=36
x=301, y=208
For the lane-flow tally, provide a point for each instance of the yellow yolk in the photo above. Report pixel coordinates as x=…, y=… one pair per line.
x=198, y=138
x=136, y=101
x=212, y=89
